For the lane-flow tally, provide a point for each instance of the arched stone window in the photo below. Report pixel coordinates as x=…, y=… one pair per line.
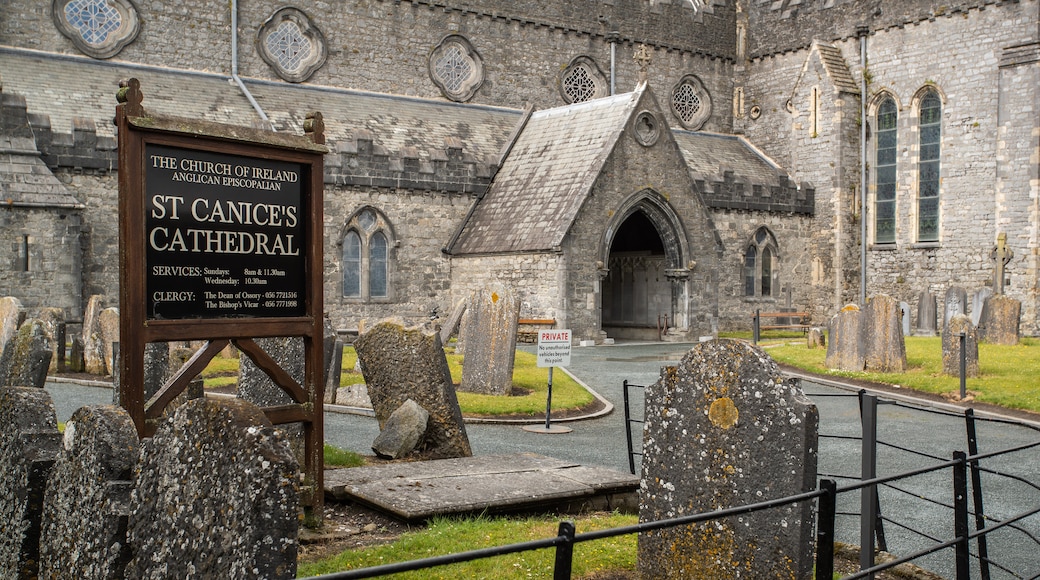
x=691, y=102
x=98, y=28
x=930, y=134
x=366, y=259
x=583, y=81
x=292, y=45
x=456, y=68
x=885, y=146
x=761, y=259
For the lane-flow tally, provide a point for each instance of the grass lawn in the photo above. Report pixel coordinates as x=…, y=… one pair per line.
x=1009, y=376
x=530, y=381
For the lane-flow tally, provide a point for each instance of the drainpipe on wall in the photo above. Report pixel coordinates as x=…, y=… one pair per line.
x=862, y=31
x=234, y=66
x=613, y=38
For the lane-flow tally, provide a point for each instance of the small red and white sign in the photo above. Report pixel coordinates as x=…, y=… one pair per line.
x=554, y=348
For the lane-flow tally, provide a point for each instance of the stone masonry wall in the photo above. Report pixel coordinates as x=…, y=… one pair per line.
x=536, y=279
x=383, y=46
x=51, y=277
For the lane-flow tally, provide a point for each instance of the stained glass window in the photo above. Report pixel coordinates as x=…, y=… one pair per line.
x=94, y=19
x=578, y=85
x=289, y=46
x=352, y=264
x=885, y=172
x=928, y=168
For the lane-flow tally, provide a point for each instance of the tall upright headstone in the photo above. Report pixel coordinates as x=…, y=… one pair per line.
x=884, y=348
x=951, y=347
x=53, y=320
x=12, y=315
x=93, y=341
x=1000, y=320
x=1001, y=256
x=27, y=357
x=490, y=333
x=926, y=315
x=29, y=443
x=904, y=315
x=845, y=349
x=407, y=363
x=955, y=302
x=978, y=303
x=723, y=429
x=217, y=495
x=108, y=320
x=88, y=496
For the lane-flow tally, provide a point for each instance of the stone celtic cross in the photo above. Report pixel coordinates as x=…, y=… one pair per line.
x=1001, y=255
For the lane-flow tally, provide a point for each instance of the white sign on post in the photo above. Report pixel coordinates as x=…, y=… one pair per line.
x=554, y=348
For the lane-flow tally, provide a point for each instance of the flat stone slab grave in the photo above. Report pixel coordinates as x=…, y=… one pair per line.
x=419, y=490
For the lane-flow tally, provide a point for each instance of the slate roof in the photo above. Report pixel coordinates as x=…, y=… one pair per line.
x=710, y=155
x=837, y=68
x=546, y=178
x=64, y=87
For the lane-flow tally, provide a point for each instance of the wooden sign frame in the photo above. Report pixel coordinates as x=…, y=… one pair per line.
x=141, y=314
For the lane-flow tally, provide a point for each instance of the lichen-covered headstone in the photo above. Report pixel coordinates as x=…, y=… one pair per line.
x=999, y=323
x=53, y=319
x=725, y=429
x=88, y=496
x=926, y=315
x=108, y=320
x=884, y=348
x=29, y=442
x=216, y=495
x=407, y=363
x=490, y=331
x=402, y=432
x=93, y=341
x=955, y=302
x=951, y=347
x=845, y=349
x=27, y=357
x=816, y=338
x=452, y=323
x=12, y=315
x=978, y=303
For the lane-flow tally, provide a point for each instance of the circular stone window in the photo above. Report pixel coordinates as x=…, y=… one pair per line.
x=98, y=28
x=645, y=128
x=291, y=44
x=691, y=103
x=582, y=81
x=456, y=68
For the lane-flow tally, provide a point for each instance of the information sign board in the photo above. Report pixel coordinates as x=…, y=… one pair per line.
x=554, y=348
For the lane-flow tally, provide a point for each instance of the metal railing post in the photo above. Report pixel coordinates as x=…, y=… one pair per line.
x=964, y=365
x=868, y=470
x=628, y=431
x=564, y=552
x=825, y=530
x=960, y=516
x=755, y=329
x=976, y=493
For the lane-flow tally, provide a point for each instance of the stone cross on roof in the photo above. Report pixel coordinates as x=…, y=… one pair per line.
x=643, y=57
x=1001, y=255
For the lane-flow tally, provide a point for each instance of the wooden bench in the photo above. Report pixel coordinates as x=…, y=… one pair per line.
x=526, y=334
x=794, y=321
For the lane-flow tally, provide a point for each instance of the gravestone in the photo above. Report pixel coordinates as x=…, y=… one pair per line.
x=724, y=429
x=451, y=325
x=27, y=357
x=406, y=363
x=335, y=372
x=816, y=338
x=926, y=315
x=904, y=315
x=955, y=303
x=108, y=320
x=255, y=386
x=216, y=496
x=1001, y=256
x=93, y=341
x=88, y=496
x=951, y=347
x=978, y=303
x=845, y=348
x=52, y=320
x=29, y=442
x=884, y=348
x=999, y=323
x=403, y=431
x=490, y=333
x=12, y=315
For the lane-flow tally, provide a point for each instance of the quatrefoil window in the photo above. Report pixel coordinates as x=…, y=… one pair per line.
x=582, y=81
x=456, y=68
x=292, y=45
x=691, y=103
x=98, y=28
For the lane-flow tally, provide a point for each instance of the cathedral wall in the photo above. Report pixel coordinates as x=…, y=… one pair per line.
x=536, y=279
x=41, y=264
x=99, y=193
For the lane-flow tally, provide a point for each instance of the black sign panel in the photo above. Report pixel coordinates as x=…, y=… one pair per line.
x=223, y=235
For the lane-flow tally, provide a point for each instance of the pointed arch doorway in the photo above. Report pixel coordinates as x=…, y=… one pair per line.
x=644, y=284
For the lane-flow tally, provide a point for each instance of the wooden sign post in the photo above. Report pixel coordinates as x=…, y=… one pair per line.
x=220, y=239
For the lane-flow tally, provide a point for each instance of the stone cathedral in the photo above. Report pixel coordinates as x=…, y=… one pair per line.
x=623, y=166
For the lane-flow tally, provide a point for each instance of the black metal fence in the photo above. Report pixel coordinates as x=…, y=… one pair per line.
x=961, y=510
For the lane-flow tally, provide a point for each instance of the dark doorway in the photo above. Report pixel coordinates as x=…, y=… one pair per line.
x=637, y=295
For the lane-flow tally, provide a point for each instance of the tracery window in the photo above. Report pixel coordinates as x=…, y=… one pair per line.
x=366, y=256
x=456, y=68
x=886, y=145
x=98, y=28
x=760, y=261
x=291, y=45
x=691, y=102
x=582, y=81
x=930, y=127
